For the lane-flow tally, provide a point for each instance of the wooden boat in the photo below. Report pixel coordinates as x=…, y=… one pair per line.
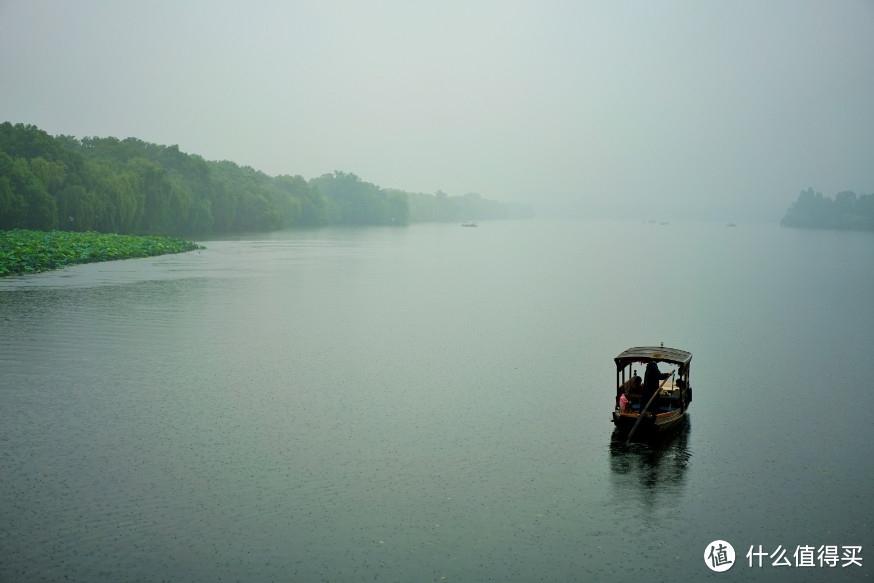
x=469, y=224
x=668, y=405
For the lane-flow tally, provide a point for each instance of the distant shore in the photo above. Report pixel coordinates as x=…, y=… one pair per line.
x=23, y=251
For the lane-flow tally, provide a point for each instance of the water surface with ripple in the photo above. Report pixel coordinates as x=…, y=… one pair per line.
x=433, y=403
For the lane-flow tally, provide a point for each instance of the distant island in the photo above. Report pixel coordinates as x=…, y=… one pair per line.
x=129, y=186
x=846, y=211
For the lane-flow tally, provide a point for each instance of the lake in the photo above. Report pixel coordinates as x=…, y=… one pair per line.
x=432, y=403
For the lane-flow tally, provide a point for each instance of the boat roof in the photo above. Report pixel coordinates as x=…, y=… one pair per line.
x=658, y=353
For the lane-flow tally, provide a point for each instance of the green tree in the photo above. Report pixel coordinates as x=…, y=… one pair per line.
x=355, y=202
x=299, y=202
x=398, y=208
x=162, y=199
x=132, y=186
x=29, y=142
x=113, y=202
x=13, y=207
x=41, y=211
x=51, y=174
x=223, y=207
x=200, y=219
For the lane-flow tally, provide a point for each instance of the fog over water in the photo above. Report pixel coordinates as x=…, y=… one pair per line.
x=433, y=403
x=716, y=110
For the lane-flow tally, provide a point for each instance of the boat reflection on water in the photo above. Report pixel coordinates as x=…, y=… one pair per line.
x=649, y=470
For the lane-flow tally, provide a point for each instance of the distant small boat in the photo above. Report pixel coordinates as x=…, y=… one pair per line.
x=730, y=225
x=667, y=406
x=469, y=225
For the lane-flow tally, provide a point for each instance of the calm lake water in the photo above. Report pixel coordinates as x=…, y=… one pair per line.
x=432, y=403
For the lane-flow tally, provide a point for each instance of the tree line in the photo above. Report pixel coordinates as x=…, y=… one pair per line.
x=134, y=187
x=845, y=211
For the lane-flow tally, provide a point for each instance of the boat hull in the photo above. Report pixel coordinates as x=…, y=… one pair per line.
x=662, y=423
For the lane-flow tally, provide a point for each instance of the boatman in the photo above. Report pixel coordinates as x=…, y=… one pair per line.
x=651, y=379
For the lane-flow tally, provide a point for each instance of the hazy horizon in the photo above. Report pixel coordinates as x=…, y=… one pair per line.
x=668, y=110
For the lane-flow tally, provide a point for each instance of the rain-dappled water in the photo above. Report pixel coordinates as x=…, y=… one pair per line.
x=433, y=403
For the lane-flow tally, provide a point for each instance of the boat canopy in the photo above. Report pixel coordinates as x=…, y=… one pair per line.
x=657, y=353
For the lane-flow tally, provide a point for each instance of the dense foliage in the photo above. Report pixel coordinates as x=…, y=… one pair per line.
x=846, y=211
x=471, y=206
x=134, y=187
x=352, y=201
x=35, y=251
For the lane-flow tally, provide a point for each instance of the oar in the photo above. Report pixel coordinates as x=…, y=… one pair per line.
x=651, y=399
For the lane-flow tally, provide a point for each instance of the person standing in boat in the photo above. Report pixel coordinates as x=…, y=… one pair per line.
x=651, y=378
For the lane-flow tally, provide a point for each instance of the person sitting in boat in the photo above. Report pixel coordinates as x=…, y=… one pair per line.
x=629, y=388
x=652, y=375
x=623, y=403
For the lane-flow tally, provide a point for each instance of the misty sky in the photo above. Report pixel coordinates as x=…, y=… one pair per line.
x=706, y=109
